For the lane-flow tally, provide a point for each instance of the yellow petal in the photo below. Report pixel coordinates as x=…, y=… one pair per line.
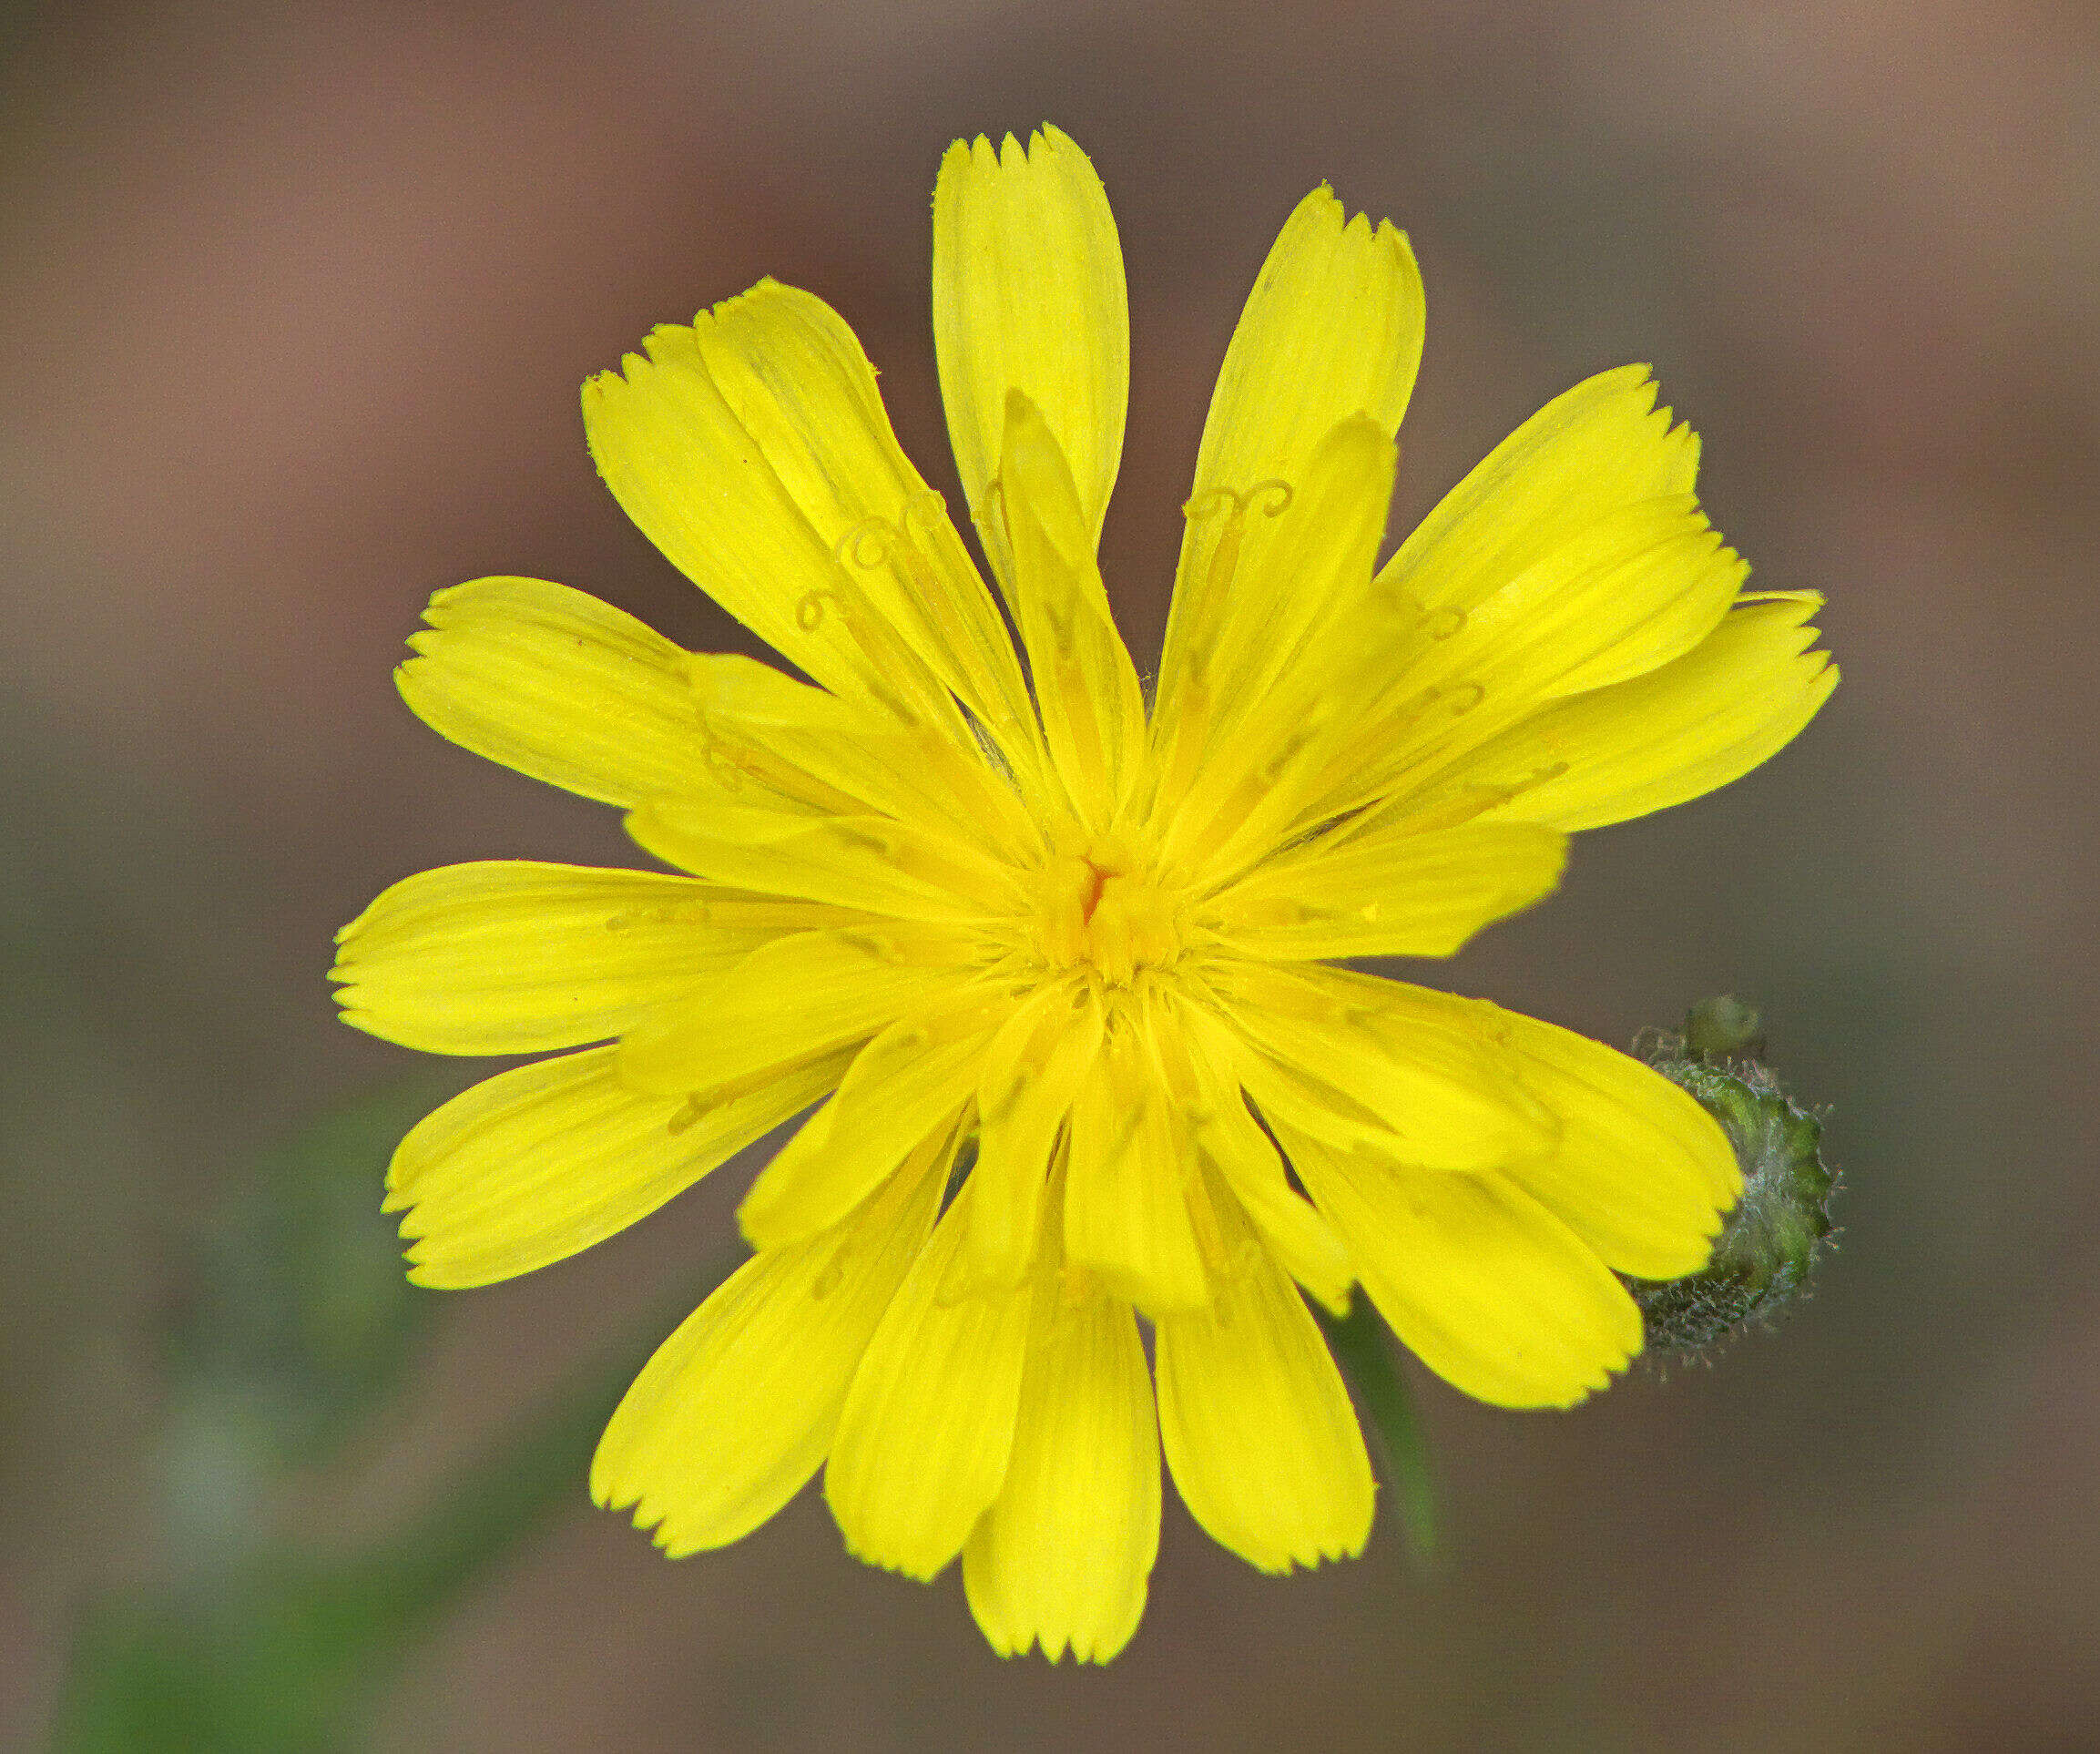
x=808, y=993
x=1316, y=564
x=1623, y=595
x=1029, y=1077
x=1028, y=295
x=1291, y=1227
x=1257, y=1424
x=797, y=381
x=733, y=697
x=535, y=1164
x=737, y=1407
x=1333, y=327
x=1642, y=1172
x=558, y=686
x=1126, y=1214
x=799, y=745
x=1423, y=1065
x=913, y=1079
x=1593, y=450
x=1233, y=1142
x=1086, y=685
x=1063, y=1557
x=1674, y=734
x=1575, y=557
x=1260, y=611
x=1394, y=891
x=512, y=957
x=1486, y=1286
x=922, y=1443
x=683, y=468
x=696, y=481
x=916, y=870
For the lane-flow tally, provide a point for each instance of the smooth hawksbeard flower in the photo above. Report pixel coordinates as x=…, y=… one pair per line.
x=1063, y=962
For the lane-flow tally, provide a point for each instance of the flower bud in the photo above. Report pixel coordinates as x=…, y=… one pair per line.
x=1770, y=1243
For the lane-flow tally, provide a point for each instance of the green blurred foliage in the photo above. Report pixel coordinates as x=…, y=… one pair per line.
x=295, y=1324
x=293, y=1316
x=285, y=1654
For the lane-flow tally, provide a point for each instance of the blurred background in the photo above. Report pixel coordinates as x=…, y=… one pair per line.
x=295, y=300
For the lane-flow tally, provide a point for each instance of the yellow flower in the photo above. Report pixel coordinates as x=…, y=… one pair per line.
x=1065, y=965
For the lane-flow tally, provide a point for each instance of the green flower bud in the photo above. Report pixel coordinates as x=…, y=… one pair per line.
x=1770, y=1243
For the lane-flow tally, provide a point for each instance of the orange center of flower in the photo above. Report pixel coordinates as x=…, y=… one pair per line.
x=1102, y=909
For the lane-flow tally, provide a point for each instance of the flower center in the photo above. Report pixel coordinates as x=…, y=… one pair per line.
x=1101, y=909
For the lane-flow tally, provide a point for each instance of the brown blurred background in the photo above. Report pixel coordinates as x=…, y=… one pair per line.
x=295, y=301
